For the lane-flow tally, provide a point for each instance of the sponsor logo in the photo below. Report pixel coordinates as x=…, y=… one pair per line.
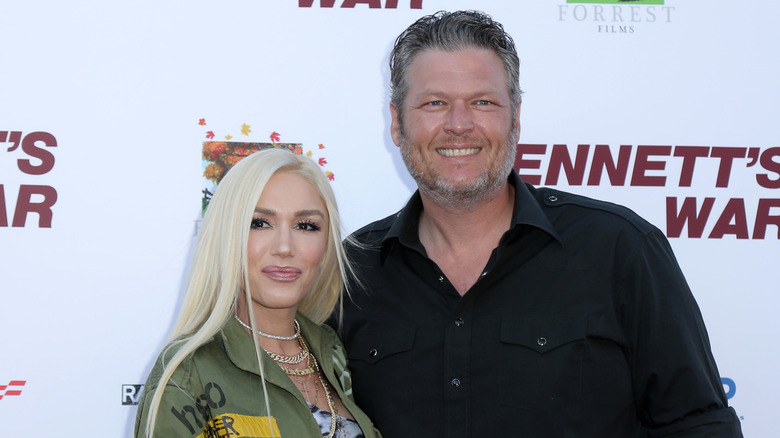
x=616, y=16
x=729, y=387
x=617, y=2
x=131, y=394
x=372, y=4
x=13, y=388
x=33, y=157
x=646, y=166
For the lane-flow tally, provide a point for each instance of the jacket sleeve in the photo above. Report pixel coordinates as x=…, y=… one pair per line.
x=677, y=387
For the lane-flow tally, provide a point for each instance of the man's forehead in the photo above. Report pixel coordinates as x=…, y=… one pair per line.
x=434, y=70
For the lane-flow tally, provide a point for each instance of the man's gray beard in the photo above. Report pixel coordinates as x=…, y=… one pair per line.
x=485, y=187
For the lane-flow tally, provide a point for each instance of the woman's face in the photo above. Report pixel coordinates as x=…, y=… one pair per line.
x=287, y=242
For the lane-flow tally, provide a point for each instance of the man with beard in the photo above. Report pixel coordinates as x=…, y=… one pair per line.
x=487, y=307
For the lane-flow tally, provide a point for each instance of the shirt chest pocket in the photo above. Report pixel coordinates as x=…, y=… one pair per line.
x=372, y=346
x=541, y=360
x=376, y=355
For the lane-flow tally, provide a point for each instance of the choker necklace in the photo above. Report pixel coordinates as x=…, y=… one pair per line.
x=278, y=338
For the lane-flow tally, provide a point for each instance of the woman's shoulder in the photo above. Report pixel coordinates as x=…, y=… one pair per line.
x=187, y=369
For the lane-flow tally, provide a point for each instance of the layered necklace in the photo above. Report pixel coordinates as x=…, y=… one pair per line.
x=301, y=375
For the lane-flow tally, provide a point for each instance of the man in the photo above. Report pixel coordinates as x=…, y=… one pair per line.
x=489, y=308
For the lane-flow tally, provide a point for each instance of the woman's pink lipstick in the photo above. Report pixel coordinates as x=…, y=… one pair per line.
x=282, y=273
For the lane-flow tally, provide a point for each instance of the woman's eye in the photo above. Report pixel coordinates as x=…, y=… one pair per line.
x=307, y=226
x=259, y=223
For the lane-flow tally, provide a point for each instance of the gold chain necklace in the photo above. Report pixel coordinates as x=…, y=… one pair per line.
x=300, y=376
x=331, y=404
x=292, y=360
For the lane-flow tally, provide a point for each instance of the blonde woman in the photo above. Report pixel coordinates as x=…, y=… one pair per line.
x=249, y=356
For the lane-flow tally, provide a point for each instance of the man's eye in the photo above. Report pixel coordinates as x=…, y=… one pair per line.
x=484, y=102
x=259, y=223
x=307, y=226
x=436, y=103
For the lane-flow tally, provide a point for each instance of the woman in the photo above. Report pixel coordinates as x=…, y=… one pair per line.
x=249, y=356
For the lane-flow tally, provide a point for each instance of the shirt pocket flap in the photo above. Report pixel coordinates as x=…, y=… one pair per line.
x=375, y=343
x=543, y=332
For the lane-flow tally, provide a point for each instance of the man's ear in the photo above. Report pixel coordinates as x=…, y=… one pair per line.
x=395, y=125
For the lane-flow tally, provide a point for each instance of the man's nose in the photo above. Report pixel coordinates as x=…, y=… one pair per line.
x=460, y=119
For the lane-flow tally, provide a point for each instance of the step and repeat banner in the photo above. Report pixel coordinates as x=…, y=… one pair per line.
x=113, y=114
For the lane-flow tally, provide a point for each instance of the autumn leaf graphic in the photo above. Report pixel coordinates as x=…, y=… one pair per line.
x=219, y=156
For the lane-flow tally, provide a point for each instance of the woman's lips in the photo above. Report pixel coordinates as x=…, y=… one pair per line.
x=282, y=273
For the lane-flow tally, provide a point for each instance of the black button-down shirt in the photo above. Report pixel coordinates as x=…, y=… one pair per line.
x=581, y=325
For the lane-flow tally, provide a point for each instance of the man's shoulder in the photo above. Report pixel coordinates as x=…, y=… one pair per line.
x=562, y=206
x=374, y=232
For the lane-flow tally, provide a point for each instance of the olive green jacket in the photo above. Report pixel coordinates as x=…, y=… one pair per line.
x=217, y=392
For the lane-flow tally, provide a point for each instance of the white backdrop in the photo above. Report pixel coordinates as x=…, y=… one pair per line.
x=101, y=105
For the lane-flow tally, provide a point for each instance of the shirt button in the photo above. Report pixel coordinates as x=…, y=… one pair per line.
x=456, y=382
x=459, y=322
x=373, y=352
x=542, y=341
x=441, y=279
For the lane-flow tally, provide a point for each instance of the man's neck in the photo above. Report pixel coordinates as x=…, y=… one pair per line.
x=458, y=224
x=461, y=238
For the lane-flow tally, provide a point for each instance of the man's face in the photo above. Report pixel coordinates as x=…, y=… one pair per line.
x=458, y=134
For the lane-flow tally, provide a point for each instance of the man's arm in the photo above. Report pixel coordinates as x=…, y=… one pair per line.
x=676, y=383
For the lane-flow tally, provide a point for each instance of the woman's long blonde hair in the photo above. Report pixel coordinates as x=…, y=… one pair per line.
x=218, y=273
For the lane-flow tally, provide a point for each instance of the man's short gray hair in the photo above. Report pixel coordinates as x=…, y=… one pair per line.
x=452, y=31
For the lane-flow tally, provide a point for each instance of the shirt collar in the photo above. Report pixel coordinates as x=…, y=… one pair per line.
x=527, y=211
